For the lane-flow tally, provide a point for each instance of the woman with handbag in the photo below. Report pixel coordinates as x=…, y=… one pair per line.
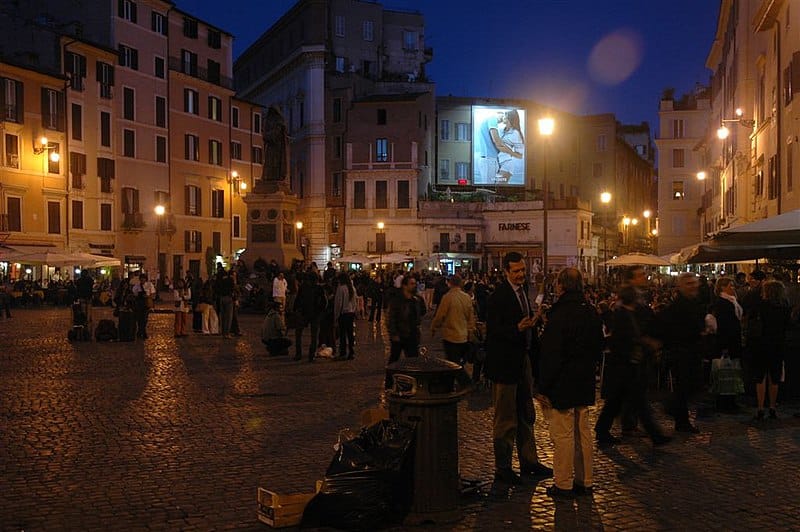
x=774, y=316
x=344, y=309
x=182, y=296
x=728, y=337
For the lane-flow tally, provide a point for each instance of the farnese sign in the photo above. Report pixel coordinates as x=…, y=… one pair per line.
x=519, y=226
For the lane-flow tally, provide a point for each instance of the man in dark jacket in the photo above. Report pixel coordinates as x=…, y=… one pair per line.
x=509, y=340
x=405, y=317
x=571, y=343
x=309, y=305
x=683, y=324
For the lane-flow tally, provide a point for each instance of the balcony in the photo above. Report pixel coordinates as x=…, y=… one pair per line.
x=106, y=91
x=132, y=221
x=191, y=69
x=12, y=160
x=78, y=182
x=4, y=223
x=11, y=113
x=372, y=247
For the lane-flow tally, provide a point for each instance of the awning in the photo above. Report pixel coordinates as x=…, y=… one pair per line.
x=452, y=255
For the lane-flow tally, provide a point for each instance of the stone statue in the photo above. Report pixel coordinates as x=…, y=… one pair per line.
x=276, y=147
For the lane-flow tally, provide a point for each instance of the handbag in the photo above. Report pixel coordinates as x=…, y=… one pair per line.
x=726, y=376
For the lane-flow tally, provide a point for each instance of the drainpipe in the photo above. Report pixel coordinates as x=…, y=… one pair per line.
x=781, y=110
x=67, y=181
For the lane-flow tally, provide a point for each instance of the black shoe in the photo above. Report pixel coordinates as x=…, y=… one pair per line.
x=582, y=491
x=507, y=476
x=297, y=357
x=773, y=414
x=759, y=415
x=351, y=356
x=660, y=439
x=607, y=440
x=687, y=427
x=557, y=493
x=536, y=470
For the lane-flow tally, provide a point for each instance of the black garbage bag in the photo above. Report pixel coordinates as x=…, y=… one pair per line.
x=369, y=482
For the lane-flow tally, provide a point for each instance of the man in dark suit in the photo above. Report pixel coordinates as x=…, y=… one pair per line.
x=510, y=327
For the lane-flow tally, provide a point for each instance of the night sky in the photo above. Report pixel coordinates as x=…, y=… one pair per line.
x=583, y=56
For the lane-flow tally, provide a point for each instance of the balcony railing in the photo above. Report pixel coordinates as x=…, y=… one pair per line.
x=191, y=69
x=11, y=113
x=372, y=247
x=12, y=160
x=4, y=223
x=132, y=221
x=78, y=182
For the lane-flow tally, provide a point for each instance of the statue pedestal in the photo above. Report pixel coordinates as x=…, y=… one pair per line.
x=271, y=230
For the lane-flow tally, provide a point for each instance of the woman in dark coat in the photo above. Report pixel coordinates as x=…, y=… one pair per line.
x=729, y=315
x=774, y=316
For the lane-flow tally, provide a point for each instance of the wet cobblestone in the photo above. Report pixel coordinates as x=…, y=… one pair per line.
x=177, y=434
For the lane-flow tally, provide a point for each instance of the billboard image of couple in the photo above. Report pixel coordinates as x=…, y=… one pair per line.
x=498, y=143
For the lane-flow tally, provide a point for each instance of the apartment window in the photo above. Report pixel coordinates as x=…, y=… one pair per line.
x=677, y=190
x=159, y=68
x=678, y=158
x=462, y=171
x=75, y=66
x=14, y=211
x=444, y=169
x=337, y=147
x=772, y=178
x=11, y=102
x=368, y=30
x=53, y=166
x=214, y=71
x=105, y=76
x=105, y=129
x=158, y=23
x=444, y=242
x=218, y=203
x=463, y=131
x=128, y=143
x=472, y=244
x=340, y=64
x=11, y=150
x=788, y=91
x=359, y=195
x=380, y=242
x=77, y=168
x=216, y=242
x=193, y=205
x=191, y=146
x=191, y=101
x=339, y=25
x=214, y=39
x=161, y=149
x=236, y=150
x=77, y=122
x=54, y=217
x=193, y=242
x=52, y=109
x=403, y=194
x=597, y=170
x=77, y=214
x=762, y=95
x=105, y=217
x=381, y=117
x=257, y=155
x=444, y=130
x=257, y=123
x=161, y=111
x=336, y=184
x=601, y=143
x=189, y=28
x=335, y=223
x=189, y=62
x=105, y=171
x=215, y=108
x=678, y=131
x=381, y=195
x=128, y=57
x=128, y=103
x=410, y=41
x=337, y=110
x=234, y=116
x=126, y=9
x=381, y=150
x=790, y=167
x=237, y=226
x=215, y=152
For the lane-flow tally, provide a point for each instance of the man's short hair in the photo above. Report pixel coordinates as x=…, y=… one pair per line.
x=407, y=279
x=510, y=257
x=685, y=276
x=628, y=295
x=455, y=280
x=758, y=275
x=629, y=272
x=570, y=280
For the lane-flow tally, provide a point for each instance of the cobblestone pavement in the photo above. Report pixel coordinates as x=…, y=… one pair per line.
x=178, y=434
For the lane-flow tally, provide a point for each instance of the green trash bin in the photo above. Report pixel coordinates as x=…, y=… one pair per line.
x=425, y=392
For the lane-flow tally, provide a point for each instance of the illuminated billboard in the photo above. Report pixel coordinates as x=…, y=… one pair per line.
x=498, y=145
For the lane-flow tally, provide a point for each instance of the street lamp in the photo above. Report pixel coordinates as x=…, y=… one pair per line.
x=605, y=199
x=299, y=225
x=159, y=210
x=546, y=127
x=701, y=176
x=380, y=243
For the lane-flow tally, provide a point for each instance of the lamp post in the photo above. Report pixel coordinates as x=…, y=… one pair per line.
x=605, y=199
x=701, y=176
x=626, y=223
x=546, y=127
x=159, y=210
x=381, y=244
x=299, y=225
